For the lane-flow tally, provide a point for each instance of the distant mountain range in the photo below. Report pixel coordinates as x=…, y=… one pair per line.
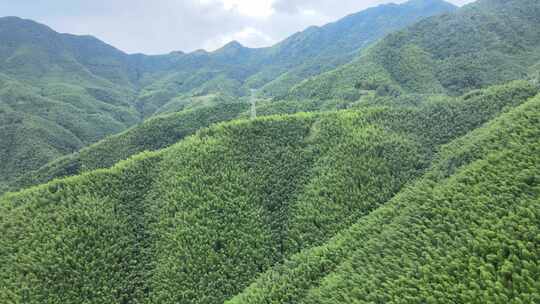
x=397, y=168
x=483, y=43
x=61, y=92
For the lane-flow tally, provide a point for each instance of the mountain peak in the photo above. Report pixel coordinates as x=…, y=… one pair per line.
x=177, y=53
x=233, y=45
x=231, y=48
x=22, y=24
x=199, y=52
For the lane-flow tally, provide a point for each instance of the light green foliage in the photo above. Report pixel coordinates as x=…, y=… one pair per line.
x=38, y=126
x=485, y=43
x=408, y=113
x=199, y=221
x=410, y=181
x=466, y=232
x=75, y=90
x=154, y=134
x=214, y=205
x=84, y=241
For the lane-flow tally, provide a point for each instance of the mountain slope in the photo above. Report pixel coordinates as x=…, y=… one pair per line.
x=38, y=125
x=57, y=95
x=484, y=43
x=154, y=134
x=467, y=232
x=34, y=52
x=199, y=221
x=235, y=69
x=239, y=204
x=163, y=131
x=320, y=49
x=75, y=90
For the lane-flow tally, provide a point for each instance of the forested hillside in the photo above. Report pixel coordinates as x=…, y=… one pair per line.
x=320, y=49
x=49, y=104
x=154, y=134
x=409, y=175
x=466, y=233
x=198, y=222
x=487, y=42
x=163, y=131
x=60, y=92
x=234, y=69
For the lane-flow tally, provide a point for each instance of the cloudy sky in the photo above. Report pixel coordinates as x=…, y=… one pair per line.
x=162, y=26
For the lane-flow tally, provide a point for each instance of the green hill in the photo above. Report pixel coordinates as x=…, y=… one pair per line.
x=39, y=125
x=409, y=175
x=484, y=43
x=234, y=69
x=163, y=131
x=61, y=92
x=320, y=49
x=58, y=93
x=199, y=221
x=154, y=134
x=465, y=233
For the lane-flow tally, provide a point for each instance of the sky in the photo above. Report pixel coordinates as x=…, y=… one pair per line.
x=163, y=26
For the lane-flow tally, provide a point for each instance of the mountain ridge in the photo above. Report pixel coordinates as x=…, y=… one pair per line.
x=237, y=198
x=89, y=89
x=483, y=43
x=407, y=175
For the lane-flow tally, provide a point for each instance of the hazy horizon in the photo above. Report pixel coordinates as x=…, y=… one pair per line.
x=167, y=26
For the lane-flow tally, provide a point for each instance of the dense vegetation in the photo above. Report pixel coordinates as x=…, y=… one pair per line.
x=39, y=125
x=234, y=69
x=163, y=131
x=487, y=42
x=154, y=134
x=197, y=222
x=467, y=232
x=404, y=176
x=61, y=92
x=320, y=49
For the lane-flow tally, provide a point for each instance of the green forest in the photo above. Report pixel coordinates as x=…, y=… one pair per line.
x=61, y=92
x=394, y=158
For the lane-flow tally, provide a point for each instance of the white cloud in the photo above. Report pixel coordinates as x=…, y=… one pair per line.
x=253, y=8
x=161, y=26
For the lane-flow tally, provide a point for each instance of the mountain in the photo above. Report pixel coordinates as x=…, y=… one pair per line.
x=35, y=53
x=319, y=49
x=165, y=130
x=484, y=43
x=465, y=233
x=61, y=92
x=396, y=183
x=58, y=93
x=198, y=222
x=153, y=134
x=387, y=78
x=235, y=69
x=38, y=124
